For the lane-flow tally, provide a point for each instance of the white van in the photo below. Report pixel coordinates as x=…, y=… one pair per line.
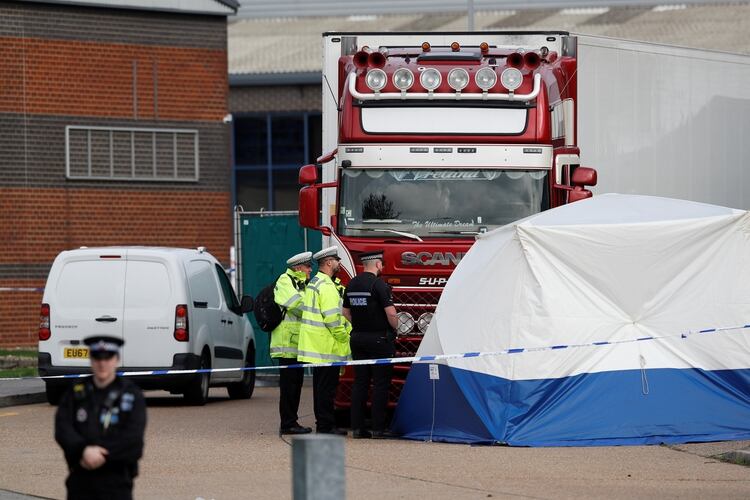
x=175, y=308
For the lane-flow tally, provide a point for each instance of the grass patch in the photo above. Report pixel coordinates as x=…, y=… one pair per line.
x=29, y=371
x=21, y=353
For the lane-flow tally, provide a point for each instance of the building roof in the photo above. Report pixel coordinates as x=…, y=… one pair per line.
x=214, y=7
x=281, y=8
x=282, y=49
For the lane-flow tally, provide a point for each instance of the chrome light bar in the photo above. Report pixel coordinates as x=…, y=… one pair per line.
x=468, y=96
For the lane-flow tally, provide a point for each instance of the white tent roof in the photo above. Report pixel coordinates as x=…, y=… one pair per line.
x=611, y=268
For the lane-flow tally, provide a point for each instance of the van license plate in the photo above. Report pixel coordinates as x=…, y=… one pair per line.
x=76, y=352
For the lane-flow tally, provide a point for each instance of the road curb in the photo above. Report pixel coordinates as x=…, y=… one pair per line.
x=740, y=457
x=23, y=399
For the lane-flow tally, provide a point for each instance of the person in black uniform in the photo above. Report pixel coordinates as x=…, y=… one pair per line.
x=100, y=425
x=368, y=305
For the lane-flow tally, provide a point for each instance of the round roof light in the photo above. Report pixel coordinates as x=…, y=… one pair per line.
x=430, y=79
x=511, y=78
x=485, y=78
x=403, y=79
x=376, y=79
x=458, y=78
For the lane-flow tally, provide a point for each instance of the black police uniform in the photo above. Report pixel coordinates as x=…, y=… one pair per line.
x=366, y=297
x=113, y=417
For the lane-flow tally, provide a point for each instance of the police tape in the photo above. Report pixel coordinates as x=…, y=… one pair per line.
x=411, y=359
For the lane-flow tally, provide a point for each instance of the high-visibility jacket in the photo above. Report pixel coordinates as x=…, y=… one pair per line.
x=341, y=289
x=288, y=293
x=324, y=334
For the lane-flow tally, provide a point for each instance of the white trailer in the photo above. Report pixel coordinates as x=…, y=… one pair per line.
x=663, y=120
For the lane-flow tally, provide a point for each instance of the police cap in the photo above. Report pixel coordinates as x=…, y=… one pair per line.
x=300, y=259
x=103, y=346
x=327, y=252
x=370, y=256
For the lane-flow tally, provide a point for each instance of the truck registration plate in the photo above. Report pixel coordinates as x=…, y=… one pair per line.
x=76, y=352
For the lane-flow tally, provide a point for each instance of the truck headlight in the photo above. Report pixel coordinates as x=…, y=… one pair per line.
x=376, y=79
x=403, y=79
x=423, y=322
x=511, y=78
x=405, y=323
x=458, y=78
x=430, y=79
x=485, y=78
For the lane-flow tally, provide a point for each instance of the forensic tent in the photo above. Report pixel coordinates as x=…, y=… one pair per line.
x=617, y=320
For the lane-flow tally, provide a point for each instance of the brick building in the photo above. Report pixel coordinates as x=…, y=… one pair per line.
x=112, y=132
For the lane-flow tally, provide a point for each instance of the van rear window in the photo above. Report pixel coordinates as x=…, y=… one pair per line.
x=147, y=286
x=91, y=284
x=203, y=287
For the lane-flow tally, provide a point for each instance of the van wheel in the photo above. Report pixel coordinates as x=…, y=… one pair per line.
x=54, y=392
x=197, y=392
x=244, y=388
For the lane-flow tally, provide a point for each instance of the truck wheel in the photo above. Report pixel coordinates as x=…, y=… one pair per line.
x=244, y=388
x=197, y=392
x=54, y=392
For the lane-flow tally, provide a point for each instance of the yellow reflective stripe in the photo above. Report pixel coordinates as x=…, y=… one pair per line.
x=310, y=309
x=292, y=300
x=317, y=355
x=312, y=322
x=289, y=350
x=330, y=311
x=333, y=323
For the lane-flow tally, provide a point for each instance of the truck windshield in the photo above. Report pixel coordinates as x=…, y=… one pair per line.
x=436, y=203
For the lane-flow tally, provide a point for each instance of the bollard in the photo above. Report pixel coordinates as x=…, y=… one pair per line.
x=318, y=467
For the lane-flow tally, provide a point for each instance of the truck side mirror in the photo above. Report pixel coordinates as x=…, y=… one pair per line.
x=246, y=304
x=578, y=193
x=308, y=175
x=584, y=176
x=309, y=206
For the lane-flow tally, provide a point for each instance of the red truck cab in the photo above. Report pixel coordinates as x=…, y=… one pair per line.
x=437, y=142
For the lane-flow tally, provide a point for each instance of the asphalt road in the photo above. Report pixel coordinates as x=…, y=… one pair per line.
x=230, y=449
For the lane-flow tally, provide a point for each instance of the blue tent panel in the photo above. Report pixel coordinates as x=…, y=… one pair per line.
x=456, y=422
x=629, y=407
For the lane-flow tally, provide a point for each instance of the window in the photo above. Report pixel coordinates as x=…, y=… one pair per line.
x=147, y=285
x=92, y=284
x=226, y=287
x=252, y=189
x=269, y=149
x=463, y=202
x=251, y=140
x=286, y=189
x=202, y=283
x=131, y=154
x=288, y=140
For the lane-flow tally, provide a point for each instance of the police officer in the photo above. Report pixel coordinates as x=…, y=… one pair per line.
x=324, y=337
x=288, y=294
x=99, y=425
x=368, y=304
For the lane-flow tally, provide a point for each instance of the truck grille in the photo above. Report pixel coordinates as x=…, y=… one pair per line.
x=413, y=304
